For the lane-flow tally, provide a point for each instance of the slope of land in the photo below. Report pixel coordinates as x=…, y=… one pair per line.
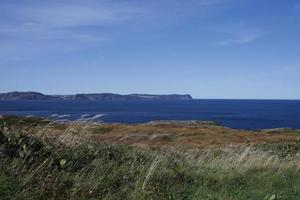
x=41, y=159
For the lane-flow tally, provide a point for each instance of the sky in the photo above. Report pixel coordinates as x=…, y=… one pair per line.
x=227, y=49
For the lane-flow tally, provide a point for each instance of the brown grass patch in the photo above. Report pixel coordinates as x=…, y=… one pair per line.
x=161, y=134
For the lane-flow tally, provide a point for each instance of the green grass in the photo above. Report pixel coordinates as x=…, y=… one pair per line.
x=102, y=130
x=7, y=186
x=35, y=168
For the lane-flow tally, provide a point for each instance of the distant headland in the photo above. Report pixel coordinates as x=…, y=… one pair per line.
x=91, y=96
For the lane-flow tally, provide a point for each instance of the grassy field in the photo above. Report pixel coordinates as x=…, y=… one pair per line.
x=49, y=160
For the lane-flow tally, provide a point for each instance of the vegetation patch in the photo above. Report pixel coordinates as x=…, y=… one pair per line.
x=33, y=167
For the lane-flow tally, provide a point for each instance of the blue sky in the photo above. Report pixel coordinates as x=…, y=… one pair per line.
x=207, y=48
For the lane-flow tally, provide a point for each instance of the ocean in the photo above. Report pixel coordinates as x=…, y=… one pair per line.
x=240, y=114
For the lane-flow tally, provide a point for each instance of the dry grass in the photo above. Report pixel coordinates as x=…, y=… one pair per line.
x=194, y=161
x=154, y=135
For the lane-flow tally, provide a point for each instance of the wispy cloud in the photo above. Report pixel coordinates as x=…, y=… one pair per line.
x=209, y=2
x=241, y=36
x=66, y=15
x=297, y=7
x=59, y=26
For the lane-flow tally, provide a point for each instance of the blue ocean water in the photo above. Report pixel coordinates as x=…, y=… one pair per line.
x=243, y=114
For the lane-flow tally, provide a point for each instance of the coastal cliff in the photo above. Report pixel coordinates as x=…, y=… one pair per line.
x=93, y=97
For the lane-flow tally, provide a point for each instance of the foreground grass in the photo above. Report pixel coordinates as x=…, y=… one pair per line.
x=45, y=168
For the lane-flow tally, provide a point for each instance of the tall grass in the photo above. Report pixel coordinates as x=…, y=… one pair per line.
x=71, y=167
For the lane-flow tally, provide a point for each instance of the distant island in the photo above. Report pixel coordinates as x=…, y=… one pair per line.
x=91, y=96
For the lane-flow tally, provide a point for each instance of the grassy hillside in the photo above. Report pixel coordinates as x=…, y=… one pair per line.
x=67, y=165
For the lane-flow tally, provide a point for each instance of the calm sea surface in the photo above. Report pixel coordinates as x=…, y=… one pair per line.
x=245, y=114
